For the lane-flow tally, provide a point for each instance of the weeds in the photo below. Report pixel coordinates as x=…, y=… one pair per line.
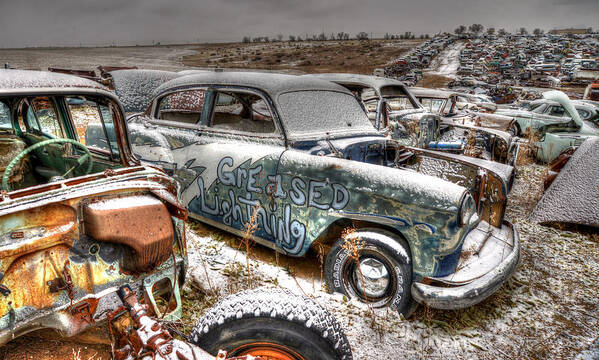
x=250, y=228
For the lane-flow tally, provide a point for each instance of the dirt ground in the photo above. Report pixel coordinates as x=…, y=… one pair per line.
x=308, y=56
x=547, y=310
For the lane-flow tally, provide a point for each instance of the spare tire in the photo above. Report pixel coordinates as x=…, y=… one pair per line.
x=271, y=323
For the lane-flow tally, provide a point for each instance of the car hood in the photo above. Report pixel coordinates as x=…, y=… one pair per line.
x=564, y=101
x=514, y=113
x=346, y=147
x=572, y=197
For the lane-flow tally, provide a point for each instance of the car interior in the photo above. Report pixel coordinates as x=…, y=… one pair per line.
x=242, y=112
x=39, y=142
x=235, y=111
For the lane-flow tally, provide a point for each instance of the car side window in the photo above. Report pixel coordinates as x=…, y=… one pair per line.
x=556, y=111
x=41, y=116
x=182, y=106
x=94, y=124
x=244, y=112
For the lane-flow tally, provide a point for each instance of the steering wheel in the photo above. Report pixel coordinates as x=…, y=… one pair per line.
x=86, y=157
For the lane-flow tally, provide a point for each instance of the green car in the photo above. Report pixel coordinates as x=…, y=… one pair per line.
x=300, y=156
x=557, y=122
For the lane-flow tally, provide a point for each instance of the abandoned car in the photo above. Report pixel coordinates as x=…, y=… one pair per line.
x=544, y=112
x=399, y=114
x=483, y=140
x=85, y=227
x=274, y=148
x=555, y=124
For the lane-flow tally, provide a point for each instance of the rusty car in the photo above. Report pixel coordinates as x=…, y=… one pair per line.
x=300, y=156
x=421, y=121
x=86, y=228
x=395, y=110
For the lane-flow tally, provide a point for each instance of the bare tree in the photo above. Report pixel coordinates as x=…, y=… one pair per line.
x=362, y=35
x=460, y=30
x=476, y=28
x=279, y=37
x=322, y=36
x=247, y=39
x=523, y=31
x=291, y=38
x=538, y=32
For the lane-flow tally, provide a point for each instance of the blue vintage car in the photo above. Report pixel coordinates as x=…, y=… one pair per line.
x=301, y=154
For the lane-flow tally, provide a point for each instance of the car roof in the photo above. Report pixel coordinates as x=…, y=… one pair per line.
x=23, y=80
x=372, y=81
x=272, y=83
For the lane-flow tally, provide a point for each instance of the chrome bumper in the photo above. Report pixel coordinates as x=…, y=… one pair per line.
x=459, y=295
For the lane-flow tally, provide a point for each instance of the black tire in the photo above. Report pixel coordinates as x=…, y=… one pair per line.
x=285, y=321
x=342, y=275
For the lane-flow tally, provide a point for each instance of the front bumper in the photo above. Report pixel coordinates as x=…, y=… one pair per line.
x=467, y=287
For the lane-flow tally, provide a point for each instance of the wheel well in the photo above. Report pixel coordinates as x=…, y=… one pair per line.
x=335, y=231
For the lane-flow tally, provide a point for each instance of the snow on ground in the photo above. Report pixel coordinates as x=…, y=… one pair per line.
x=547, y=310
x=447, y=62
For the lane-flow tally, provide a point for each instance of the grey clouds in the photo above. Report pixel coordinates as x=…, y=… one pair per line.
x=27, y=23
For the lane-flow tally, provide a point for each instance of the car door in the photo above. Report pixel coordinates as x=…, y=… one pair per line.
x=238, y=148
x=166, y=137
x=222, y=144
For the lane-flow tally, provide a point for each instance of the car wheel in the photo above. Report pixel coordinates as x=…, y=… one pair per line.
x=381, y=275
x=271, y=323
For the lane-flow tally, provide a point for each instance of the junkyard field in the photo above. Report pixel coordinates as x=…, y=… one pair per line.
x=548, y=309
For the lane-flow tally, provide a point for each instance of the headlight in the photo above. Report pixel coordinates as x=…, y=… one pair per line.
x=467, y=213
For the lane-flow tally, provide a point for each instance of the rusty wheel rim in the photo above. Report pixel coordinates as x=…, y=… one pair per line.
x=267, y=351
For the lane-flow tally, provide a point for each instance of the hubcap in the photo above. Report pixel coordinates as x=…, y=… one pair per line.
x=267, y=351
x=374, y=278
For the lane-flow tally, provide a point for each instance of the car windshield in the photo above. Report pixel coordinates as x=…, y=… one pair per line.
x=397, y=98
x=309, y=111
x=432, y=104
x=539, y=109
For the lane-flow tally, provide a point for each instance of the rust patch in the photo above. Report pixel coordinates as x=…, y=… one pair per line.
x=142, y=223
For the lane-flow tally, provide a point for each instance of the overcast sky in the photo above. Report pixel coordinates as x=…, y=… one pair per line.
x=26, y=23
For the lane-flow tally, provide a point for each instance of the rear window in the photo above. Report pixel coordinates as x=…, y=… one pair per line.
x=306, y=112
